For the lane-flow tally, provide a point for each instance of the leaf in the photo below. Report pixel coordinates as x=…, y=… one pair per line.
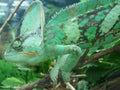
x=12, y=82
x=89, y=65
x=82, y=85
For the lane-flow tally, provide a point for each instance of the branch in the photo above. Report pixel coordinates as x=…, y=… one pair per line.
x=110, y=84
x=98, y=55
x=70, y=86
x=46, y=81
x=10, y=16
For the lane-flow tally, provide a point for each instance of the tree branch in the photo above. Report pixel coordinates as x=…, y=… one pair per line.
x=10, y=16
x=44, y=83
x=98, y=55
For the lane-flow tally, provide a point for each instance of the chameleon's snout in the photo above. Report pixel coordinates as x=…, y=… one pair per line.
x=9, y=56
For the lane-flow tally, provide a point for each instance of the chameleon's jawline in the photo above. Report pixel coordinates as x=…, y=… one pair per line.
x=19, y=57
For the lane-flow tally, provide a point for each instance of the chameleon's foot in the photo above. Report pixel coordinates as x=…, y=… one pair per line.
x=54, y=75
x=60, y=63
x=66, y=76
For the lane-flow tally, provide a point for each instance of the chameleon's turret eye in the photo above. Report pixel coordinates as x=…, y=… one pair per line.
x=17, y=44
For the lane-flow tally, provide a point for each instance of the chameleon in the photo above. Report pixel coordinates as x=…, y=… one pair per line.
x=93, y=24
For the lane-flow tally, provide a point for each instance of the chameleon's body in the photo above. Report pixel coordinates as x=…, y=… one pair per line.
x=94, y=24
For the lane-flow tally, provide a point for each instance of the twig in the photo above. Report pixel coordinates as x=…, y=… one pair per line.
x=57, y=86
x=79, y=76
x=44, y=83
x=10, y=16
x=70, y=86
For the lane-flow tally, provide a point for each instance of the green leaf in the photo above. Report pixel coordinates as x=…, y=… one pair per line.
x=82, y=85
x=12, y=82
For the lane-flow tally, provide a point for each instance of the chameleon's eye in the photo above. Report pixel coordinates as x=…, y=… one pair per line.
x=17, y=44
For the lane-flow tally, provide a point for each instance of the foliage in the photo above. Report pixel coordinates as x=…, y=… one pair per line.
x=12, y=76
x=6, y=70
x=82, y=85
x=12, y=82
x=106, y=68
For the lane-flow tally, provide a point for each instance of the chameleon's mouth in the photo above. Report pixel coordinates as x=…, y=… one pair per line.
x=21, y=57
x=14, y=56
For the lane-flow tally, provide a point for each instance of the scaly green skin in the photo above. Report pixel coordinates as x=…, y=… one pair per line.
x=94, y=24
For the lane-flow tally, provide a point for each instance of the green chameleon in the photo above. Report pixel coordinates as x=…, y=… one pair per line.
x=94, y=24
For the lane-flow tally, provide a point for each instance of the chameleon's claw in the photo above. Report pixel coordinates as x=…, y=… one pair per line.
x=55, y=71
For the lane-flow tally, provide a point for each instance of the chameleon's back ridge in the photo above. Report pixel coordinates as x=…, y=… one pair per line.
x=88, y=22
x=79, y=9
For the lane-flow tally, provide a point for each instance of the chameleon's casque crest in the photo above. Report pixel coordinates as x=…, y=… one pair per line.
x=33, y=23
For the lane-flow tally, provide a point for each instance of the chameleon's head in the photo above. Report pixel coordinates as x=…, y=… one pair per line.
x=26, y=51
x=14, y=51
x=27, y=46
